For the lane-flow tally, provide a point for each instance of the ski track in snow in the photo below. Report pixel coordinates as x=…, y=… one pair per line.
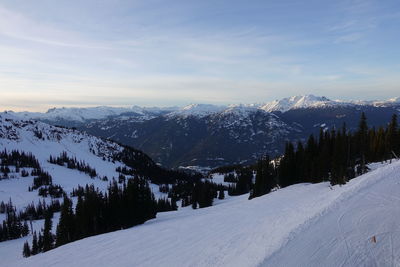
x=301, y=225
x=372, y=211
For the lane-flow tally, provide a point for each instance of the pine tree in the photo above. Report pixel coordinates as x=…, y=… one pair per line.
x=362, y=135
x=40, y=242
x=221, y=194
x=393, y=137
x=26, y=250
x=25, y=229
x=48, y=239
x=35, y=246
x=264, y=178
x=64, y=232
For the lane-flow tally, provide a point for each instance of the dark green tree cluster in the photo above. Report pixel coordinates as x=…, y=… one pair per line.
x=5, y=207
x=42, y=179
x=226, y=169
x=13, y=226
x=18, y=159
x=165, y=204
x=265, y=178
x=244, y=181
x=96, y=213
x=38, y=211
x=230, y=178
x=181, y=190
x=203, y=194
x=338, y=155
x=54, y=191
x=73, y=163
x=42, y=243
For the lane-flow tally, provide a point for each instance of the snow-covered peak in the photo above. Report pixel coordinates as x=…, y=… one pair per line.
x=295, y=102
x=197, y=110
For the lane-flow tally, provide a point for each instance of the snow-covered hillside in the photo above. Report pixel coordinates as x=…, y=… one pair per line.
x=301, y=225
x=43, y=140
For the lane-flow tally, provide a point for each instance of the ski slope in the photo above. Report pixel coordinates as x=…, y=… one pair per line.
x=301, y=225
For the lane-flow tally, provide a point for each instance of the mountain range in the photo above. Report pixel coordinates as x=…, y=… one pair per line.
x=212, y=135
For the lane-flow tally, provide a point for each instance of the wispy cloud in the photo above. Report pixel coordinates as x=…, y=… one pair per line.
x=198, y=51
x=18, y=26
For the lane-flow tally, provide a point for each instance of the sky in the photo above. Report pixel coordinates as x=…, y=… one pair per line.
x=165, y=53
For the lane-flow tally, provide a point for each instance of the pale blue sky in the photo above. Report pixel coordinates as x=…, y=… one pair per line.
x=117, y=52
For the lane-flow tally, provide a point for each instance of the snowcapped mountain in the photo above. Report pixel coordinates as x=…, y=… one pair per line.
x=80, y=115
x=235, y=134
x=95, y=113
x=301, y=225
x=297, y=102
x=211, y=135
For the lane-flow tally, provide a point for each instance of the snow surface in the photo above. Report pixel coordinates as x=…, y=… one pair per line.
x=301, y=225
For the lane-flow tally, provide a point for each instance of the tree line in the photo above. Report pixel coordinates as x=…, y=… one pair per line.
x=121, y=207
x=336, y=155
x=73, y=163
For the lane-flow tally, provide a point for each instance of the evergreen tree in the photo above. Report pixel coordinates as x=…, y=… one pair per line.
x=362, y=136
x=65, y=227
x=221, y=194
x=25, y=229
x=48, y=239
x=393, y=137
x=35, y=246
x=264, y=178
x=40, y=242
x=26, y=250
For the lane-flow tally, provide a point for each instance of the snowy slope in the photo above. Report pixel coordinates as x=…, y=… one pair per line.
x=43, y=141
x=301, y=225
